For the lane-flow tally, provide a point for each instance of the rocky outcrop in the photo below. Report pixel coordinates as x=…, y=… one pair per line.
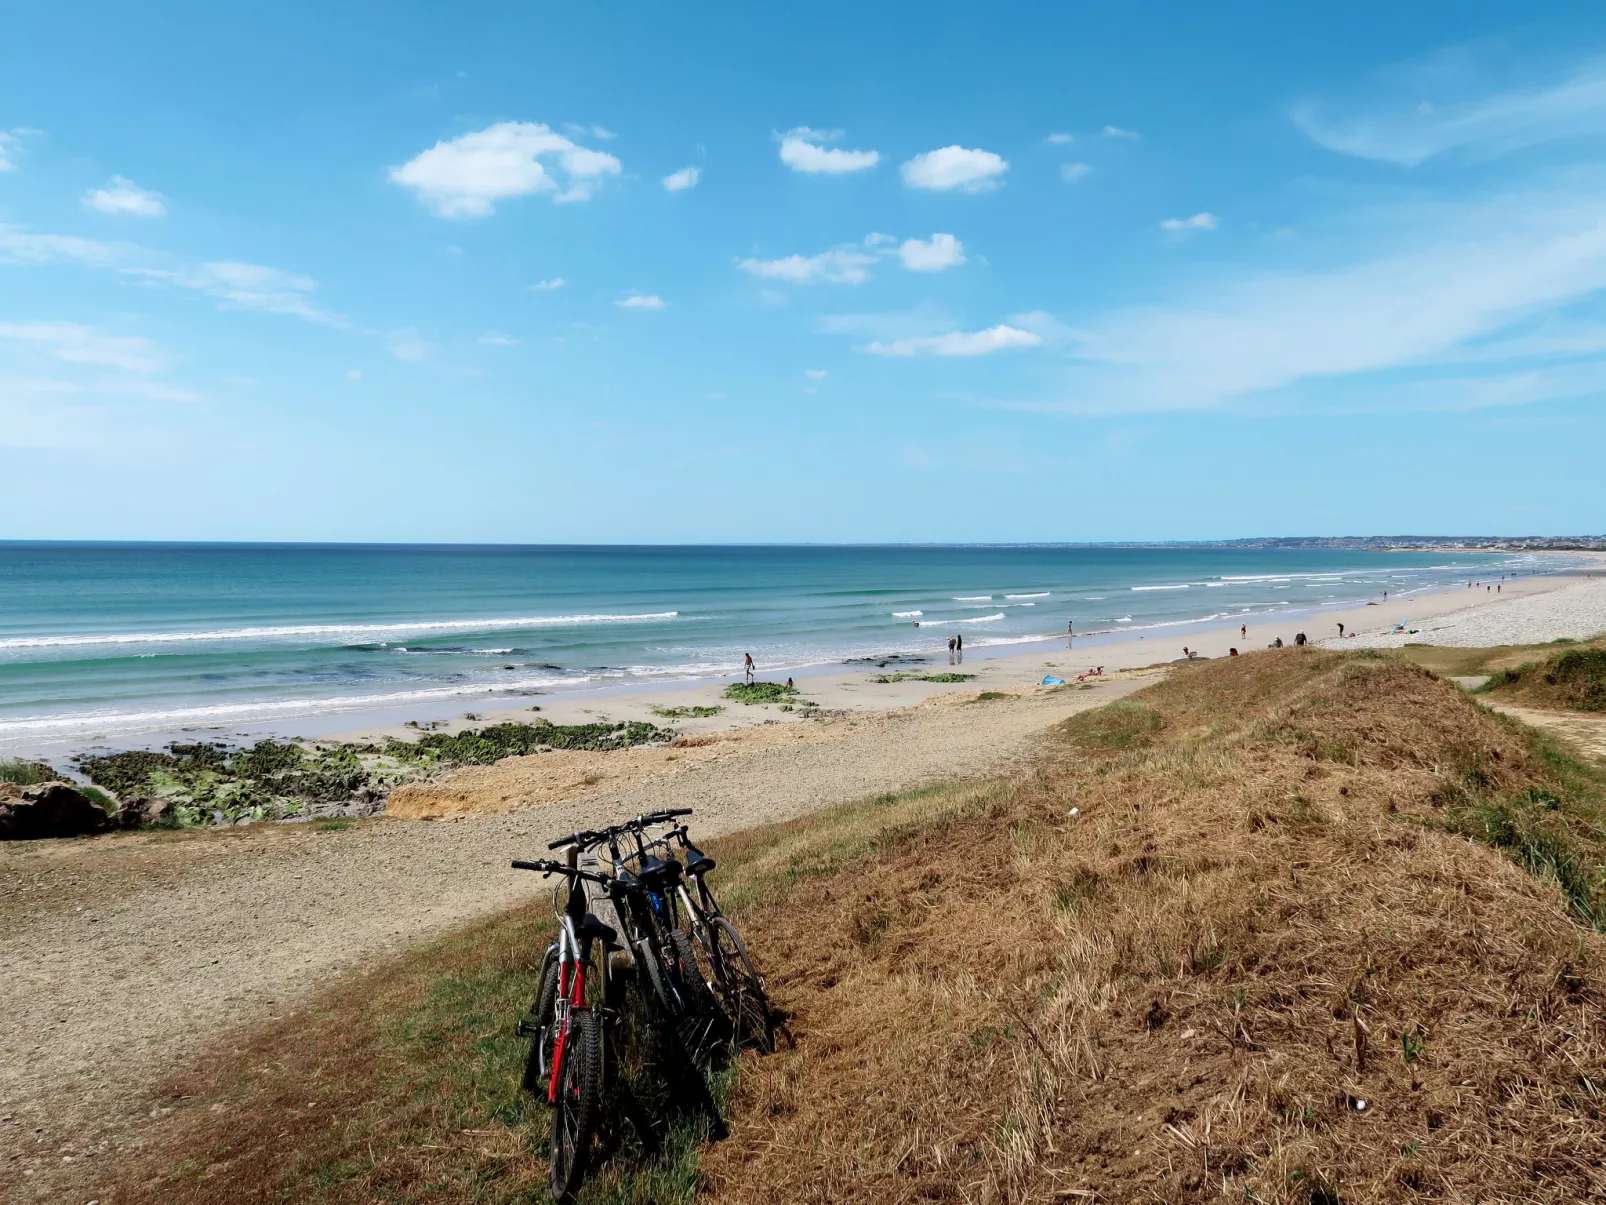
x=48, y=809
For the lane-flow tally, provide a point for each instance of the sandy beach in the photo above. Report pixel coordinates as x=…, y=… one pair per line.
x=191, y=933
x=1531, y=609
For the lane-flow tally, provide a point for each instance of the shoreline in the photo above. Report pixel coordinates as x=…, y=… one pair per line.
x=836, y=687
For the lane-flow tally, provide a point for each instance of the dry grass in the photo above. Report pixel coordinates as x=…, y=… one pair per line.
x=1264, y=912
x=1256, y=921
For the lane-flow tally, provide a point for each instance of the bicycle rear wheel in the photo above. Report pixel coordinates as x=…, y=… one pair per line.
x=742, y=989
x=577, y=1105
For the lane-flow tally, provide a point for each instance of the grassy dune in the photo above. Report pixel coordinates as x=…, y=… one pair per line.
x=1320, y=929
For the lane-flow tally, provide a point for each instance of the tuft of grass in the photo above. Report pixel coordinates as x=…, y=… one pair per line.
x=1574, y=679
x=988, y=696
x=694, y=712
x=26, y=773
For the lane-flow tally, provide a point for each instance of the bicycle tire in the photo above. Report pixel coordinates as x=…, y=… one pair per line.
x=578, y=1105
x=745, y=998
x=706, y=1022
x=546, y=999
x=653, y=986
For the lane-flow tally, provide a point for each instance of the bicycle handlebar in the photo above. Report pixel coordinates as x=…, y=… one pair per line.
x=588, y=837
x=548, y=866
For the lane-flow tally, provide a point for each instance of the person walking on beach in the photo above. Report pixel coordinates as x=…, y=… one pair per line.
x=959, y=647
x=1070, y=632
x=1341, y=631
x=1243, y=631
x=951, y=640
x=747, y=668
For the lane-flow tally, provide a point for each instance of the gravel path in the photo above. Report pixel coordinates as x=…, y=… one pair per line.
x=1577, y=611
x=121, y=957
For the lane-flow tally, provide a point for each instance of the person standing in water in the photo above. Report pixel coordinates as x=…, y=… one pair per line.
x=1070, y=632
x=959, y=647
x=951, y=640
x=747, y=667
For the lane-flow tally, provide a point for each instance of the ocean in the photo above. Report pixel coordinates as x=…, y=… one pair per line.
x=105, y=642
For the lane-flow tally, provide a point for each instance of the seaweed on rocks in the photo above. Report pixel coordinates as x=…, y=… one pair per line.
x=481, y=746
x=210, y=783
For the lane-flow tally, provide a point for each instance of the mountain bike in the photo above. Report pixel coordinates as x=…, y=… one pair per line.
x=568, y=1035
x=731, y=975
x=664, y=956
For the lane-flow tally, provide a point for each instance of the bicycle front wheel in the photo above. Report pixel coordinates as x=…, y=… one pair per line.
x=741, y=988
x=539, y=1059
x=577, y=1104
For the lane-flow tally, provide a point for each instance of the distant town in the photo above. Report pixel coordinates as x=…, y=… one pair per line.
x=1430, y=543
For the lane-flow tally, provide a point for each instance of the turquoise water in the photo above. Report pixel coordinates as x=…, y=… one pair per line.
x=111, y=640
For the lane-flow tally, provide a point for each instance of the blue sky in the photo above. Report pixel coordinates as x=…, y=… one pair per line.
x=614, y=272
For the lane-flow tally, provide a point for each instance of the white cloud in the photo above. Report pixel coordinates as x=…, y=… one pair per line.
x=958, y=343
x=498, y=339
x=842, y=265
x=242, y=286
x=955, y=167
x=407, y=344
x=75, y=343
x=1060, y=139
x=801, y=151
x=816, y=374
x=939, y=252
x=547, y=286
x=1419, y=110
x=685, y=178
x=122, y=196
x=602, y=132
x=642, y=301
x=1467, y=289
x=237, y=285
x=1118, y=132
x=1183, y=226
x=24, y=247
x=1073, y=171
x=10, y=142
x=465, y=176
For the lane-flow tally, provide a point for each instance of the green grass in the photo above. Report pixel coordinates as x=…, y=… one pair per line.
x=1574, y=678
x=989, y=695
x=1554, y=833
x=686, y=713
x=760, y=692
x=26, y=773
x=942, y=677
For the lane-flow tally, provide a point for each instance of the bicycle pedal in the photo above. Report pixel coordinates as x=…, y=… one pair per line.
x=529, y=1029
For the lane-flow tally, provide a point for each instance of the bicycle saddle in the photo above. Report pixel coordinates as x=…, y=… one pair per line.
x=697, y=862
x=594, y=928
x=658, y=873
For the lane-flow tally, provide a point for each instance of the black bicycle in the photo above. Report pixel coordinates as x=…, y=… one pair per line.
x=720, y=954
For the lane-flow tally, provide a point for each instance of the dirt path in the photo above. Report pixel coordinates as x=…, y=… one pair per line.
x=1584, y=729
x=121, y=956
